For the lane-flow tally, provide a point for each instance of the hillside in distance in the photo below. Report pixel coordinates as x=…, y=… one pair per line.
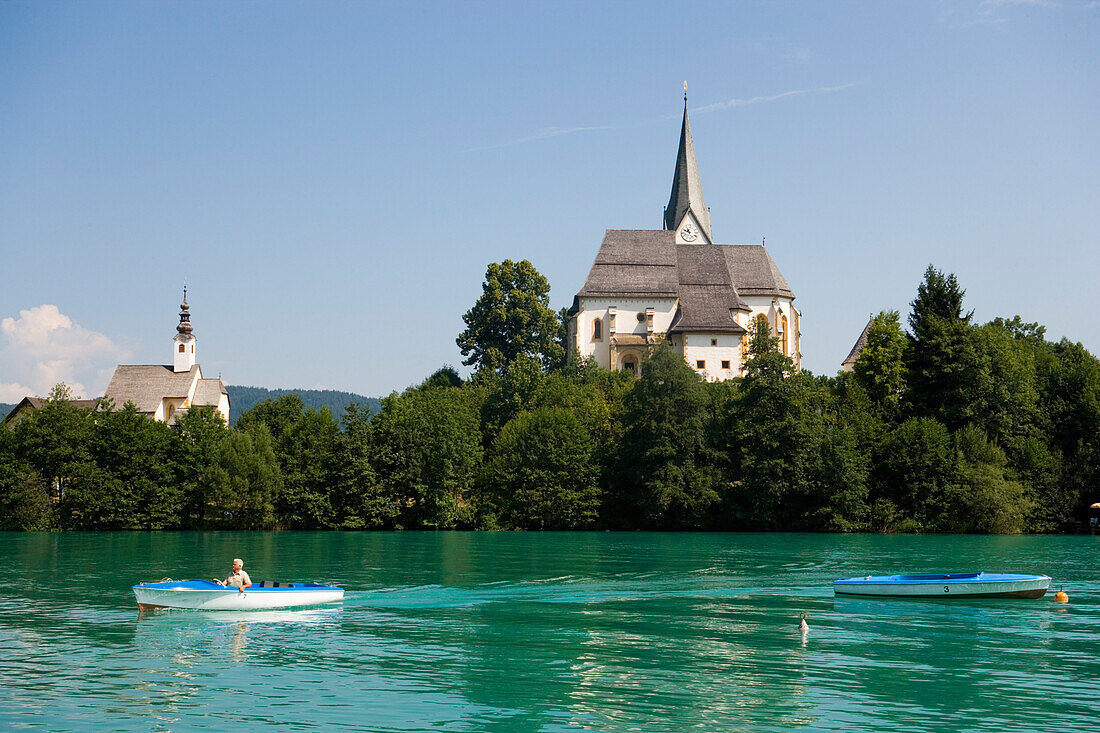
x=241, y=399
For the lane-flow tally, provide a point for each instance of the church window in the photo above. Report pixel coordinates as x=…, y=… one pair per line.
x=181, y=348
x=714, y=342
x=784, y=338
x=630, y=365
x=597, y=330
x=641, y=317
x=725, y=363
x=171, y=411
x=701, y=364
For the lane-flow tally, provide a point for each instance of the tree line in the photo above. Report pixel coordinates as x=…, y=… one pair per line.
x=950, y=426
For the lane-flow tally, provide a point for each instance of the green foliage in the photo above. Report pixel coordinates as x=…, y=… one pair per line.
x=912, y=470
x=243, y=399
x=200, y=433
x=427, y=450
x=512, y=318
x=542, y=474
x=244, y=480
x=983, y=497
x=939, y=298
x=955, y=428
x=665, y=476
x=360, y=498
x=880, y=368
x=442, y=378
x=769, y=434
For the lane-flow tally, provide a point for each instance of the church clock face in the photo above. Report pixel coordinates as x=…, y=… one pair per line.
x=689, y=233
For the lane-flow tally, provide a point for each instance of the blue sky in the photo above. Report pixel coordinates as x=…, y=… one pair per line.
x=333, y=178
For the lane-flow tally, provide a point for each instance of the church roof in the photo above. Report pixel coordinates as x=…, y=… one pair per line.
x=754, y=271
x=853, y=355
x=634, y=263
x=147, y=384
x=687, y=189
x=706, y=308
x=37, y=403
x=208, y=393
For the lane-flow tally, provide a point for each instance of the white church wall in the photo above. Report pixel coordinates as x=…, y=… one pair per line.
x=766, y=305
x=713, y=349
x=626, y=322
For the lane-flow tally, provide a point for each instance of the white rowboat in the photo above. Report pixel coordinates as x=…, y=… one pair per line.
x=210, y=596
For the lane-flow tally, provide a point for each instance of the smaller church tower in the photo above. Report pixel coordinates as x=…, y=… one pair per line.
x=183, y=343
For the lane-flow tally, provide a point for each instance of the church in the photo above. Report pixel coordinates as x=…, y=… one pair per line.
x=166, y=392
x=677, y=285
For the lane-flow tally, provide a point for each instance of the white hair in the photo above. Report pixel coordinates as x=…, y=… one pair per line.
x=238, y=560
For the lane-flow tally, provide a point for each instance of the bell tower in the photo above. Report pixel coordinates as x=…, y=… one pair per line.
x=183, y=343
x=687, y=214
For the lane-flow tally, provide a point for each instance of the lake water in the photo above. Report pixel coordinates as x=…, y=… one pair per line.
x=546, y=632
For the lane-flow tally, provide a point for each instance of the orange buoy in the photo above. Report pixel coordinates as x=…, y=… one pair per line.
x=1061, y=597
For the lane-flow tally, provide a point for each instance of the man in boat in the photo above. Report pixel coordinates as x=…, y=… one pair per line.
x=238, y=577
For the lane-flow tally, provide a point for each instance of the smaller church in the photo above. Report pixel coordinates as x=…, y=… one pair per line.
x=165, y=392
x=677, y=285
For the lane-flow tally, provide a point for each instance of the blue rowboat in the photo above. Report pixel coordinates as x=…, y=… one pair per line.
x=945, y=585
x=208, y=595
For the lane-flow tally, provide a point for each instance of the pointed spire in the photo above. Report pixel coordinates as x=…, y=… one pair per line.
x=687, y=190
x=185, y=315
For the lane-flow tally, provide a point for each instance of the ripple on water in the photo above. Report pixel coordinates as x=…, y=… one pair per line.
x=552, y=632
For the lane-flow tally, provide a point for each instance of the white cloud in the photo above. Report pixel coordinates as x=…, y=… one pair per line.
x=993, y=12
x=542, y=134
x=730, y=104
x=43, y=347
x=549, y=132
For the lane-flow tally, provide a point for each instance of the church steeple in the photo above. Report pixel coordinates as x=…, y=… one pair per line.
x=183, y=343
x=686, y=208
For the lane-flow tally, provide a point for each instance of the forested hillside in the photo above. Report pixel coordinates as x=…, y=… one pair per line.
x=243, y=399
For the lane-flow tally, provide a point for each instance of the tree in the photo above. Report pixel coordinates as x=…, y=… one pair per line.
x=665, y=477
x=55, y=440
x=913, y=469
x=426, y=449
x=279, y=415
x=511, y=318
x=442, y=378
x=24, y=499
x=939, y=298
x=983, y=497
x=542, y=474
x=307, y=452
x=768, y=434
x=139, y=455
x=360, y=499
x=201, y=433
x=245, y=480
x=880, y=368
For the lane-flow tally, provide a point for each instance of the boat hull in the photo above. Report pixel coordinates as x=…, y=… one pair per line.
x=204, y=595
x=960, y=585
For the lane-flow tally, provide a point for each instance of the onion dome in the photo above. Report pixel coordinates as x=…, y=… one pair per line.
x=185, y=316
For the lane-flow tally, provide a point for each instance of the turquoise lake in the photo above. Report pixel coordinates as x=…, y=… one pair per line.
x=546, y=632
